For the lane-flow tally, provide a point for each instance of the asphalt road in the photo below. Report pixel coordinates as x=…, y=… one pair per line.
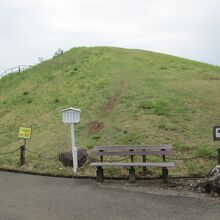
x=34, y=197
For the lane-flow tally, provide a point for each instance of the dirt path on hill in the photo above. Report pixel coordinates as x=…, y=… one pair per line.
x=112, y=101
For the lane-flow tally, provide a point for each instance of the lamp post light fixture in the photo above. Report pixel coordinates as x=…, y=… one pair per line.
x=72, y=116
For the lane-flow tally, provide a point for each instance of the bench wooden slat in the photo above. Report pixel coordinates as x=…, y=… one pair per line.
x=147, y=164
x=158, y=147
x=129, y=153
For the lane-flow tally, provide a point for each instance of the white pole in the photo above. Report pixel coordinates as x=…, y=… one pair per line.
x=74, y=150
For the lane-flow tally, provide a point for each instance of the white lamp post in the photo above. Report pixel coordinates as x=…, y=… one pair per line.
x=72, y=116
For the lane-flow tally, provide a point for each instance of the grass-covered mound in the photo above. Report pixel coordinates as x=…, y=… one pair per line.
x=126, y=97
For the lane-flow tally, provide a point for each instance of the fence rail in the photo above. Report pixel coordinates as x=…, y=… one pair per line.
x=16, y=69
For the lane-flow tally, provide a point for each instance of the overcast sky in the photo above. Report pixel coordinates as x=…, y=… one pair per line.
x=37, y=28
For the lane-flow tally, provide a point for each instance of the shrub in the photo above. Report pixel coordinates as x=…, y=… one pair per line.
x=146, y=105
x=29, y=101
x=25, y=93
x=56, y=100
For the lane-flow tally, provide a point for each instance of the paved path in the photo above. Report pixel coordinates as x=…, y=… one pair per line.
x=34, y=197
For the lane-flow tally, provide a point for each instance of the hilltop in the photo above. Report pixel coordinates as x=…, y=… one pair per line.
x=126, y=97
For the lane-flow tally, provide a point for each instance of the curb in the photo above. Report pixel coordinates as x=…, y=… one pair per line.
x=92, y=177
x=34, y=173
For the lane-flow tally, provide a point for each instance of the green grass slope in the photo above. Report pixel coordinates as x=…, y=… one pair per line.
x=126, y=97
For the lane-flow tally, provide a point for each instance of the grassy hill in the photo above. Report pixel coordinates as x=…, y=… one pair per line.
x=126, y=97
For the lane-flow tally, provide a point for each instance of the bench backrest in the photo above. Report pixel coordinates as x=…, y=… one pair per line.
x=132, y=150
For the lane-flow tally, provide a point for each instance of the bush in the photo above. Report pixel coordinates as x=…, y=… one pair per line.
x=56, y=100
x=25, y=93
x=146, y=105
x=29, y=101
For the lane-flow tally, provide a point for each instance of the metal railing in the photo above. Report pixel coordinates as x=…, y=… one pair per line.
x=16, y=69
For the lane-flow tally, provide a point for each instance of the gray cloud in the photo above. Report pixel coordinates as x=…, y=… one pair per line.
x=32, y=29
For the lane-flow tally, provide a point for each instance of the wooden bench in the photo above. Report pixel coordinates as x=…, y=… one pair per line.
x=132, y=151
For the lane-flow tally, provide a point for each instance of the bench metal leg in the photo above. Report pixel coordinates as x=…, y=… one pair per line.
x=165, y=174
x=132, y=178
x=144, y=161
x=99, y=174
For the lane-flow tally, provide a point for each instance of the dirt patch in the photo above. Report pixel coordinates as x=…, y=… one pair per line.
x=112, y=101
x=95, y=126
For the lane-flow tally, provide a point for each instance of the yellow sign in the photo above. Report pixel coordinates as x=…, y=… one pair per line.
x=24, y=133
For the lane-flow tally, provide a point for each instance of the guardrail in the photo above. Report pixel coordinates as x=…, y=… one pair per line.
x=16, y=69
